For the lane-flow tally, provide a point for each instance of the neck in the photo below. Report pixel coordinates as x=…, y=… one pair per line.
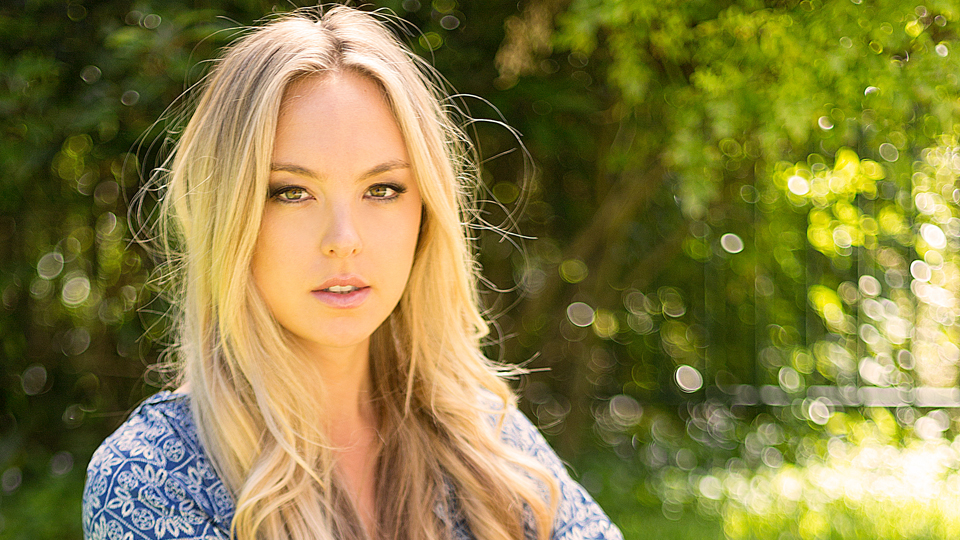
x=344, y=373
x=352, y=423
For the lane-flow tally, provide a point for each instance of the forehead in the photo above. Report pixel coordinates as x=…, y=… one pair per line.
x=337, y=120
x=336, y=88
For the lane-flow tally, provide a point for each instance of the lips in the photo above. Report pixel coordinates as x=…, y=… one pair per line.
x=342, y=292
x=342, y=281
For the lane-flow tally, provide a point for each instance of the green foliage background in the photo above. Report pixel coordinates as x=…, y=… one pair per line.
x=745, y=270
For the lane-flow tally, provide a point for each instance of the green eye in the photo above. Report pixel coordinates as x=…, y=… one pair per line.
x=384, y=191
x=380, y=192
x=291, y=194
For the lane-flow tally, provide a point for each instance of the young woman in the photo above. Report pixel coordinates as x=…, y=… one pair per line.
x=328, y=331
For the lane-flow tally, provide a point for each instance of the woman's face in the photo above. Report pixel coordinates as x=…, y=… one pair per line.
x=340, y=225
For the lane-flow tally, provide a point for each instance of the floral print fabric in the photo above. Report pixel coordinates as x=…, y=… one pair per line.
x=151, y=480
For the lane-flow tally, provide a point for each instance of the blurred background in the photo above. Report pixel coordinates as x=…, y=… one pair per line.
x=741, y=303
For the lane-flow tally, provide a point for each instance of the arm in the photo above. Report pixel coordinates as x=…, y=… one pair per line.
x=578, y=515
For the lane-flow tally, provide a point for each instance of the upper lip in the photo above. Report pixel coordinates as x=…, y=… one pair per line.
x=342, y=281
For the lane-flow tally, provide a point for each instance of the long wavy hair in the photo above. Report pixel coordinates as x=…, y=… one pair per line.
x=439, y=399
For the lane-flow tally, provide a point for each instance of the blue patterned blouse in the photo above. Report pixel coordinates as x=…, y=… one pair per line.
x=151, y=480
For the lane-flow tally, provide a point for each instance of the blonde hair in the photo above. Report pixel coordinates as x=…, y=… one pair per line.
x=257, y=418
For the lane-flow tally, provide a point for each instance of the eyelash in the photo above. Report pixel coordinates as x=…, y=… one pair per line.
x=396, y=188
x=277, y=193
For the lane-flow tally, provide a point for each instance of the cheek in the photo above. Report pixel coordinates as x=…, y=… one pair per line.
x=260, y=269
x=395, y=245
x=271, y=254
x=413, y=231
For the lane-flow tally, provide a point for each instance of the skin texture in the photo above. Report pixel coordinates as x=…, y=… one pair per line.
x=344, y=208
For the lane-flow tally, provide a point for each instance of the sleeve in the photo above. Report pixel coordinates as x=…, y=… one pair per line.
x=578, y=517
x=143, y=483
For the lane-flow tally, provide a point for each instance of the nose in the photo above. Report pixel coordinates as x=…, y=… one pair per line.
x=341, y=238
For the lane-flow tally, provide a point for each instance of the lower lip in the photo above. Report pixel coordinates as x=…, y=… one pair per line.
x=343, y=300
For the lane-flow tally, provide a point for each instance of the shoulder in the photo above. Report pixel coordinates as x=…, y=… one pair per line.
x=578, y=516
x=151, y=479
x=519, y=432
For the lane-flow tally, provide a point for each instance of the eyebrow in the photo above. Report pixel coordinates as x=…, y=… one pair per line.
x=303, y=171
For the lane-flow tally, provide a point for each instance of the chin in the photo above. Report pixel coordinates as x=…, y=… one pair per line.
x=333, y=339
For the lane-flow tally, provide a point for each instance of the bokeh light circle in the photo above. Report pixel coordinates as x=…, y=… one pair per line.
x=818, y=411
x=688, y=379
x=920, y=271
x=580, y=314
x=933, y=235
x=798, y=185
x=889, y=152
x=869, y=286
x=731, y=243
